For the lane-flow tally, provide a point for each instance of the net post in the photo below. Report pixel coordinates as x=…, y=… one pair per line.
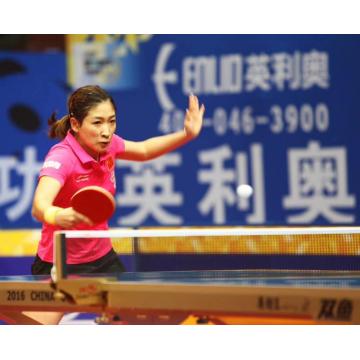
x=60, y=256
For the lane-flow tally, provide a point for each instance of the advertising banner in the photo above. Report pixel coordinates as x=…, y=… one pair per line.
x=282, y=116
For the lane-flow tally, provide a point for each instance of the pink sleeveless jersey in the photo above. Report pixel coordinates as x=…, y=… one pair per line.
x=74, y=168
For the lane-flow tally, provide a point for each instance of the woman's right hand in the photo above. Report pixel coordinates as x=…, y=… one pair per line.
x=68, y=218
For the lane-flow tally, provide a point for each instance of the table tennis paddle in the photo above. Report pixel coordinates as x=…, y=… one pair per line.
x=94, y=202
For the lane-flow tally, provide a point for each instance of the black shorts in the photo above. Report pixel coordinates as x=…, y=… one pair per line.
x=108, y=264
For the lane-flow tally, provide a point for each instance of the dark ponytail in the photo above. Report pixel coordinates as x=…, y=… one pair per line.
x=58, y=128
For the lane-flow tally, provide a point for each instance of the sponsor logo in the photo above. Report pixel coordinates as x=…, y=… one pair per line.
x=52, y=164
x=336, y=309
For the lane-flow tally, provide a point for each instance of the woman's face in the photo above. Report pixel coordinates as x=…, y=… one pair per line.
x=97, y=128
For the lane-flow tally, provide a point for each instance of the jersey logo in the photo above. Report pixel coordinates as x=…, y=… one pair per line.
x=52, y=164
x=80, y=178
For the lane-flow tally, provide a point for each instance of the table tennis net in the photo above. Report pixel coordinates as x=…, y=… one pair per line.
x=242, y=248
x=292, y=244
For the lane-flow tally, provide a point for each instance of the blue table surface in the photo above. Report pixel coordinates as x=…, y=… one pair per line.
x=225, y=277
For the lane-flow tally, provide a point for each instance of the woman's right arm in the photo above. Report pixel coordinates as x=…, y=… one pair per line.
x=45, y=194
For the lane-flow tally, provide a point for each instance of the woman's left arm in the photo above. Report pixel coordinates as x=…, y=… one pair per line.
x=157, y=146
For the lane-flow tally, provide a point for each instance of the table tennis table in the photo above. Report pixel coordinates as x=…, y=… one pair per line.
x=213, y=296
x=170, y=297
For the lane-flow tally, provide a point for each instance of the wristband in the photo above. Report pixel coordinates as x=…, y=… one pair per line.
x=50, y=213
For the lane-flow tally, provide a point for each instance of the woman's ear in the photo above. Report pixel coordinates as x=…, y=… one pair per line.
x=74, y=124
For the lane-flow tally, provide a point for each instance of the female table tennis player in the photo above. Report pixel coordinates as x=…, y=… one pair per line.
x=86, y=156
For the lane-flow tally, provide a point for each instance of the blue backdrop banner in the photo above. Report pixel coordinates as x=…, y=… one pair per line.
x=282, y=116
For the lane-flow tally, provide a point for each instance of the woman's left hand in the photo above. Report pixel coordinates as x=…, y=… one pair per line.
x=194, y=118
